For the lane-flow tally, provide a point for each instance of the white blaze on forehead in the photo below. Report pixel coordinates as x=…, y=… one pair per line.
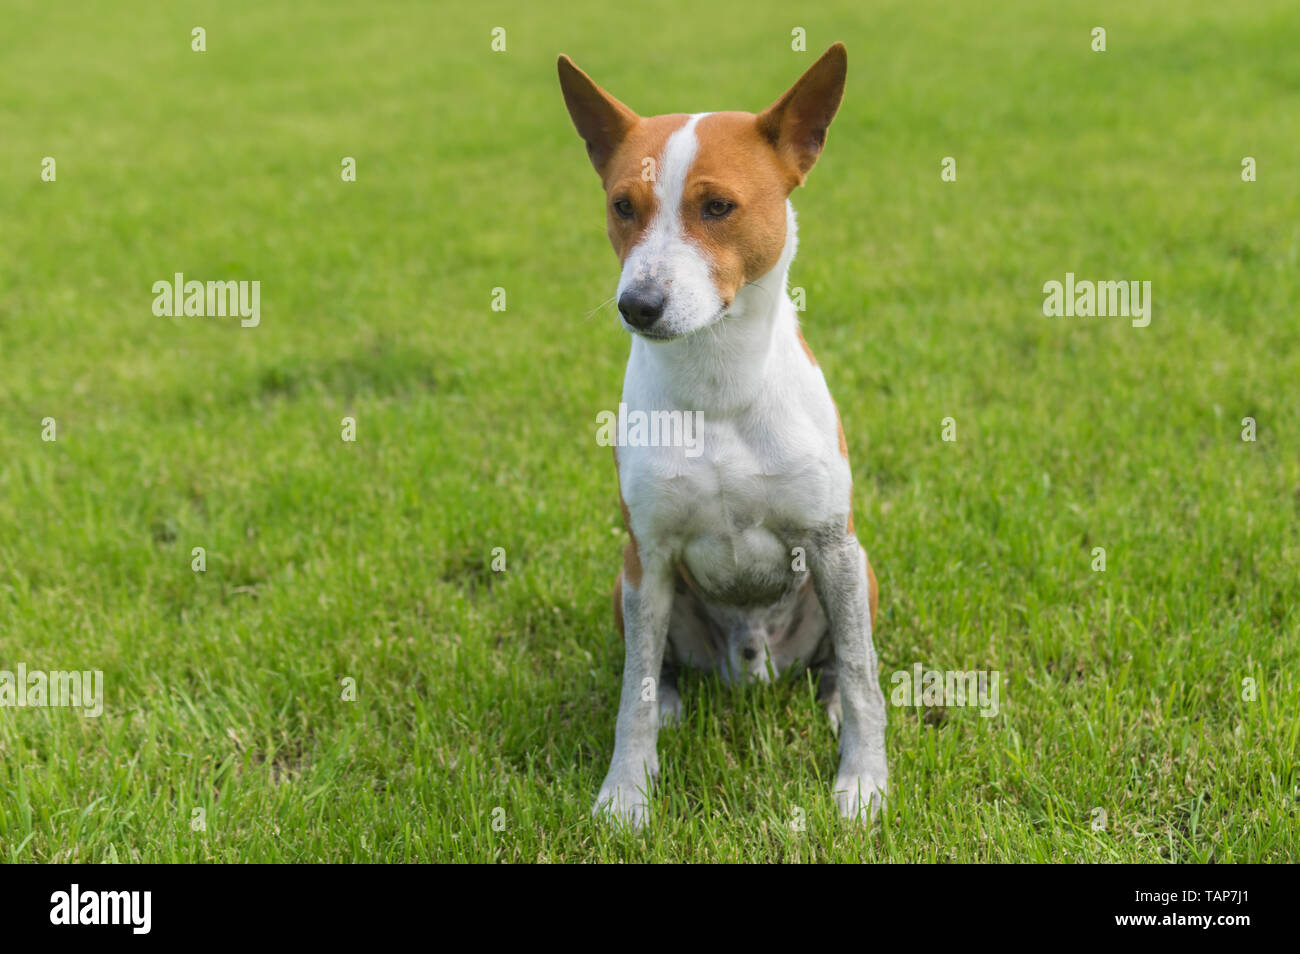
x=665, y=255
x=670, y=182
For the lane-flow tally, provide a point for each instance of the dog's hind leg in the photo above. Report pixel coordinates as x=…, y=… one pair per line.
x=670, y=700
x=828, y=693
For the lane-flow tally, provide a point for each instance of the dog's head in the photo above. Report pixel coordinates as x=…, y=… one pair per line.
x=696, y=205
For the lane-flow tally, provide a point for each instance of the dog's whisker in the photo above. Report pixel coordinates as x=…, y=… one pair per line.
x=604, y=304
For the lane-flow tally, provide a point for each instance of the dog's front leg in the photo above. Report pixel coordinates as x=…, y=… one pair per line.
x=839, y=569
x=647, y=605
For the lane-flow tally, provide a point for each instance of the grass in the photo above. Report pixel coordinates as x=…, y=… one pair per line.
x=486, y=696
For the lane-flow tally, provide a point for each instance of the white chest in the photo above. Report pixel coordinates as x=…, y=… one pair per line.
x=732, y=514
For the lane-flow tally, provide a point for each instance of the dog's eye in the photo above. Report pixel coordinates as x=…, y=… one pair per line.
x=718, y=208
x=623, y=207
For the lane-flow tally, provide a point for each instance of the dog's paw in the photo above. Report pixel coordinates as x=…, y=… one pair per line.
x=835, y=712
x=670, y=707
x=622, y=803
x=860, y=795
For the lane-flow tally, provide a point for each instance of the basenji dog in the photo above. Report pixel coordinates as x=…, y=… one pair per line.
x=742, y=558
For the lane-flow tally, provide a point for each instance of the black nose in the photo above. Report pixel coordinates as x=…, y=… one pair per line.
x=642, y=304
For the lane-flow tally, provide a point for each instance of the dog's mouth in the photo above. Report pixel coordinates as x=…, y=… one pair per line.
x=651, y=335
x=655, y=336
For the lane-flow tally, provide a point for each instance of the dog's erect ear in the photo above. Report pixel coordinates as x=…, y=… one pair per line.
x=796, y=123
x=601, y=120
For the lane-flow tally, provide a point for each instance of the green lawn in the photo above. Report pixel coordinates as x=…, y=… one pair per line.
x=477, y=690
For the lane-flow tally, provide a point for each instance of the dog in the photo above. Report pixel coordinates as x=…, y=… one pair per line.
x=742, y=558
